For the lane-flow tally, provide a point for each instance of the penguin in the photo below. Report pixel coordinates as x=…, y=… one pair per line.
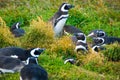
x=59, y=19
x=81, y=46
x=97, y=48
x=97, y=33
x=70, y=60
x=10, y=65
x=77, y=37
x=33, y=71
x=80, y=42
x=68, y=29
x=16, y=31
x=20, y=53
x=106, y=40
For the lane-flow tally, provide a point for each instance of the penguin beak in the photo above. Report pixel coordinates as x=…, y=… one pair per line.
x=70, y=6
x=91, y=34
x=42, y=50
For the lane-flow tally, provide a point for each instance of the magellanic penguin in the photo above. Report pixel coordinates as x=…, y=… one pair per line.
x=80, y=42
x=16, y=31
x=33, y=71
x=70, y=60
x=97, y=48
x=77, y=37
x=21, y=53
x=10, y=65
x=107, y=40
x=59, y=19
x=97, y=33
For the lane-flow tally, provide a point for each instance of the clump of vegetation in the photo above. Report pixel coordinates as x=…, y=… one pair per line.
x=112, y=52
x=63, y=46
x=6, y=38
x=39, y=33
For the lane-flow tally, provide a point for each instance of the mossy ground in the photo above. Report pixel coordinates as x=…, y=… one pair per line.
x=87, y=15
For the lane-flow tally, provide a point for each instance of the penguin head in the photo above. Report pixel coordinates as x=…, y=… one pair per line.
x=35, y=52
x=96, y=48
x=97, y=33
x=80, y=37
x=65, y=7
x=70, y=60
x=32, y=60
x=15, y=26
x=98, y=41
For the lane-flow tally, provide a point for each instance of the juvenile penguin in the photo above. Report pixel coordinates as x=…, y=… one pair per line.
x=97, y=33
x=59, y=19
x=33, y=71
x=16, y=31
x=10, y=65
x=21, y=53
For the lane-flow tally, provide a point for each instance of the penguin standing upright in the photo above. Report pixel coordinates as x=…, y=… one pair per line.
x=20, y=53
x=16, y=31
x=59, y=19
x=33, y=71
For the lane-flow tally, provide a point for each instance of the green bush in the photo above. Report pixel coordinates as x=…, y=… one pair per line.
x=112, y=52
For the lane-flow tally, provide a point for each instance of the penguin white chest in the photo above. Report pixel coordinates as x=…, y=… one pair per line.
x=59, y=26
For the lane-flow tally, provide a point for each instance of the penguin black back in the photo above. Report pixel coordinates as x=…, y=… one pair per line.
x=33, y=71
x=21, y=53
x=11, y=65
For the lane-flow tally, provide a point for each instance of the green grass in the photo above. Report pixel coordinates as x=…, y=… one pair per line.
x=87, y=15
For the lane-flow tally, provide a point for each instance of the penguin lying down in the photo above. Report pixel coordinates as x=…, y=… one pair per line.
x=10, y=65
x=21, y=53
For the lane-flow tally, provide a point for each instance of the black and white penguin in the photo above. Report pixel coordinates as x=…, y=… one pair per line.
x=21, y=53
x=68, y=29
x=81, y=46
x=10, y=65
x=97, y=48
x=16, y=31
x=70, y=60
x=33, y=71
x=80, y=41
x=77, y=37
x=97, y=33
x=106, y=40
x=59, y=19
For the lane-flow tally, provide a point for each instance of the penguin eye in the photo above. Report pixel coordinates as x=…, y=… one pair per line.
x=36, y=52
x=66, y=7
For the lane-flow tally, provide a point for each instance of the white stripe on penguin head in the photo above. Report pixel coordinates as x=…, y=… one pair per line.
x=33, y=51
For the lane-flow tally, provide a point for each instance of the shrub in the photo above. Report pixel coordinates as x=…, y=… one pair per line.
x=112, y=52
x=63, y=46
x=6, y=38
x=40, y=34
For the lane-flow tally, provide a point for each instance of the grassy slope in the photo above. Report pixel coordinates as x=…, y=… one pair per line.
x=87, y=15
